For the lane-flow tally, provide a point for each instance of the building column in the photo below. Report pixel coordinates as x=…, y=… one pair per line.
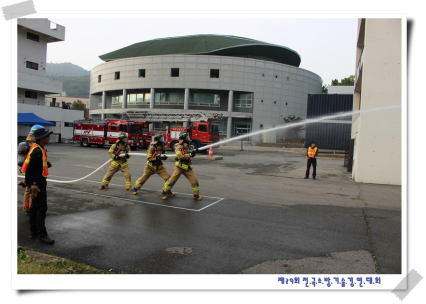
x=230, y=101
x=230, y=106
x=229, y=128
x=124, y=105
x=186, y=100
x=103, y=104
x=152, y=104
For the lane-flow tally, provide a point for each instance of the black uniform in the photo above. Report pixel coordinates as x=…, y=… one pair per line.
x=34, y=176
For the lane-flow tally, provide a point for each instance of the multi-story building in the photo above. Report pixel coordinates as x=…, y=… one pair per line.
x=33, y=85
x=377, y=135
x=252, y=83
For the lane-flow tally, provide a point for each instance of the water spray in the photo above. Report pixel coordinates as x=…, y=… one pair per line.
x=307, y=121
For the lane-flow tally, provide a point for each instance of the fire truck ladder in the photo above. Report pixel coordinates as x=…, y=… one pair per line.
x=160, y=117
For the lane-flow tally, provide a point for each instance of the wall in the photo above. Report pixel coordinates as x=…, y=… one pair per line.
x=377, y=153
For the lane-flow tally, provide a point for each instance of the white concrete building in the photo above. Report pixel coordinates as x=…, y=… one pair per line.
x=377, y=136
x=33, y=86
x=341, y=90
x=252, y=83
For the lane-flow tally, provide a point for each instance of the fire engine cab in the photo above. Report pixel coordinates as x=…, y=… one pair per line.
x=105, y=132
x=202, y=131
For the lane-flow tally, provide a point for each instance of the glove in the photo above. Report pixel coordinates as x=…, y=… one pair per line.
x=193, y=153
x=34, y=190
x=116, y=157
x=158, y=157
x=126, y=155
x=49, y=164
x=164, y=157
x=22, y=183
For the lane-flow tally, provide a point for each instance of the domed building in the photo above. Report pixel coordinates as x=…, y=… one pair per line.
x=254, y=84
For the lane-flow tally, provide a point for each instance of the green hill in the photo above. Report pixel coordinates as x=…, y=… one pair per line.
x=64, y=69
x=76, y=80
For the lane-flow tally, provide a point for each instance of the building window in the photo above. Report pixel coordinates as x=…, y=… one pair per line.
x=243, y=100
x=117, y=75
x=169, y=98
x=29, y=94
x=139, y=98
x=117, y=100
x=99, y=78
x=142, y=73
x=68, y=124
x=33, y=37
x=243, y=129
x=214, y=73
x=223, y=127
x=212, y=100
x=175, y=72
x=32, y=65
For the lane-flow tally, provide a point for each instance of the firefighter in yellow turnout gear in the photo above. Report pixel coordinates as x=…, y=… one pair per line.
x=183, y=166
x=155, y=154
x=119, y=154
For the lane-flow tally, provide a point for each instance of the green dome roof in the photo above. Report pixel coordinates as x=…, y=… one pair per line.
x=208, y=45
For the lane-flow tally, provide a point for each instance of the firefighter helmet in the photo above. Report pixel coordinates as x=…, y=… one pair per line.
x=184, y=136
x=159, y=137
x=35, y=127
x=122, y=137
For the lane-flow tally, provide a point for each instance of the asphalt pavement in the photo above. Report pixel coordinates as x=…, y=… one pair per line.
x=258, y=215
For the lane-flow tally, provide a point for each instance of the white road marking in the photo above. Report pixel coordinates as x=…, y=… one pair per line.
x=189, y=209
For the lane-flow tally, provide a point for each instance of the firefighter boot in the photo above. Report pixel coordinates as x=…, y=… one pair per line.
x=197, y=197
x=170, y=193
x=102, y=187
x=163, y=195
x=135, y=191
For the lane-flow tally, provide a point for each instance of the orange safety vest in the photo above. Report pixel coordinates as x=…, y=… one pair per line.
x=311, y=152
x=27, y=160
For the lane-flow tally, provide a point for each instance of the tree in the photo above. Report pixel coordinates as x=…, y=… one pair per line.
x=291, y=119
x=348, y=81
x=78, y=105
x=325, y=89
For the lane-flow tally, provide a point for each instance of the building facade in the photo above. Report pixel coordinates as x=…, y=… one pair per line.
x=33, y=35
x=252, y=83
x=377, y=136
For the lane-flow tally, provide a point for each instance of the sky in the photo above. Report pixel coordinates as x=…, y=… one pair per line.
x=326, y=46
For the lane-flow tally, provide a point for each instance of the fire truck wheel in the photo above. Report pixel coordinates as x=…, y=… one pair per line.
x=85, y=143
x=174, y=145
x=193, y=146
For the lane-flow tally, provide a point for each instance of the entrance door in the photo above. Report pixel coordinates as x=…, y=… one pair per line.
x=242, y=128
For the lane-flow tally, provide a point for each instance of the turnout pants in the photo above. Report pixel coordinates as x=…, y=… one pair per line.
x=312, y=161
x=148, y=172
x=114, y=169
x=189, y=174
x=38, y=211
x=27, y=200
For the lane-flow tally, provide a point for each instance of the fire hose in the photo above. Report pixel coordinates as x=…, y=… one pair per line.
x=103, y=165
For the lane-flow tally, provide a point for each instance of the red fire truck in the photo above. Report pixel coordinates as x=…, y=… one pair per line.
x=202, y=131
x=105, y=132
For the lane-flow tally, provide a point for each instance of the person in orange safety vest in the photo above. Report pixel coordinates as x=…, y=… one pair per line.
x=312, y=153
